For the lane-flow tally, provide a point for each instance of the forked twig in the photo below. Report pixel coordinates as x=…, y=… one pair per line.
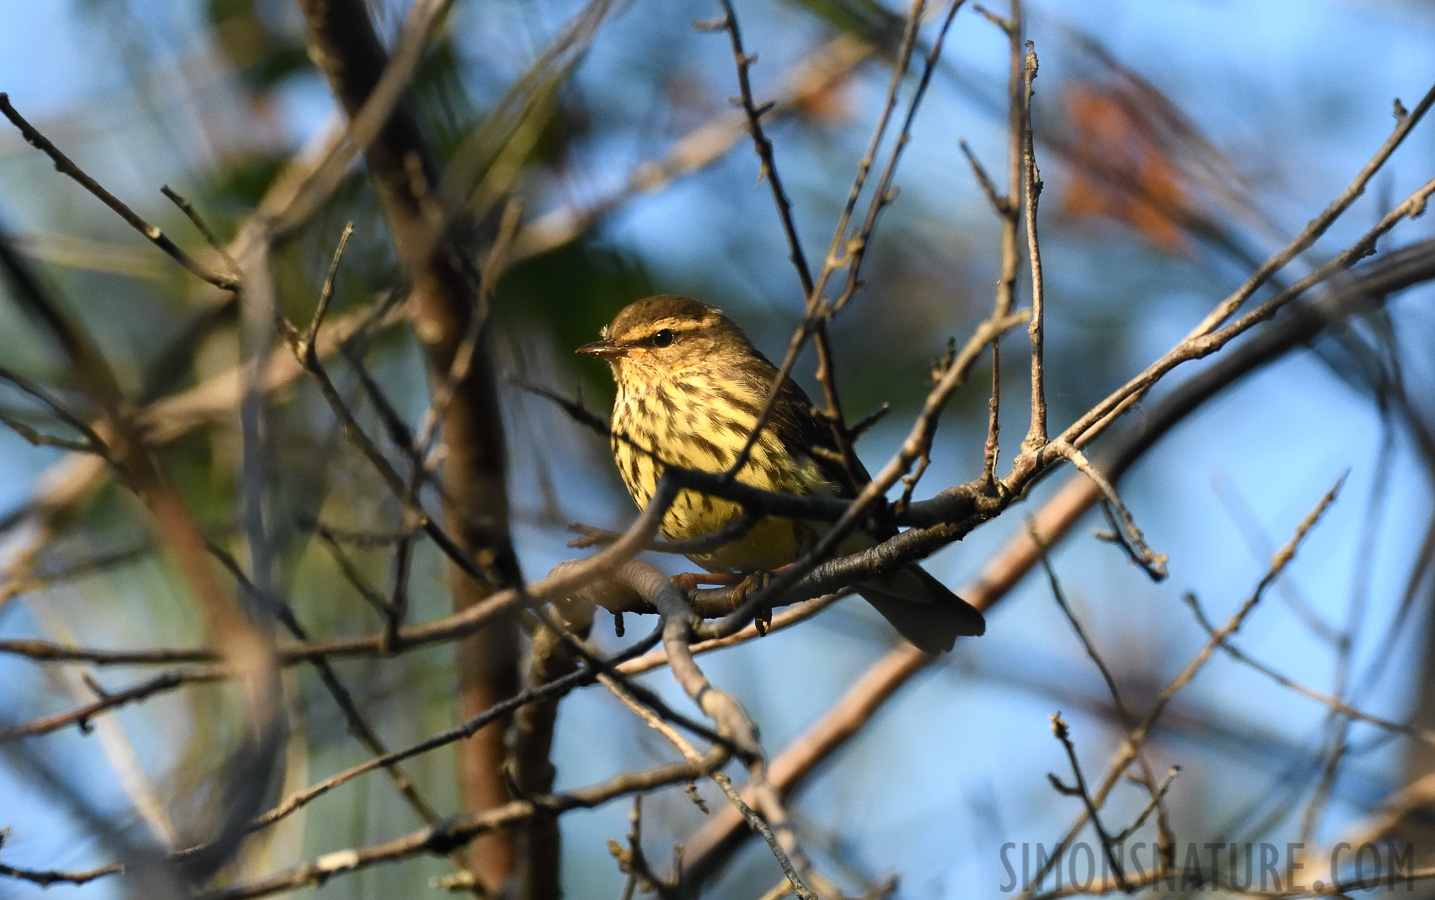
x=228, y=281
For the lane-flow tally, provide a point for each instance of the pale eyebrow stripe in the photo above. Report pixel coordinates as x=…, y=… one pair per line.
x=675, y=325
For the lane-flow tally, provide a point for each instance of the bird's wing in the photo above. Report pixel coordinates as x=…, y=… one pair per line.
x=800, y=425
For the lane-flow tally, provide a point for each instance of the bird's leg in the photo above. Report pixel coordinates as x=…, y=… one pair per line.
x=744, y=585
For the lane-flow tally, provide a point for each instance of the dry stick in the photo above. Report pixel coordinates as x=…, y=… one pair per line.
x=396, y=607
x=1063, y=734
x=839, y=251
x=92, y=443
x=463, y=730
x=884, y=193
x=460, y=830
x=1320, y=224
x=1008, y=208
x=1100, y=417
x=1345, y=645
x=770, y=807
x=1363, y=290
x=113, y=700
x=1153, y=563
x=1124, y=716
x=1031, y=187
x=1331, y=702
x=48, y=651
x=1207, y=337
x=71, y=481
x=1009, y=211
x=812, y=301
x=799, y=612
x=202, y=227
x=1157, y=804
x=48, y=877
x=700, y=147
x=633, y=862
x=326, y=291
x=37, y=438
x=733, y=723
x=1138, y=735
x=227, y=281
x=763, y=146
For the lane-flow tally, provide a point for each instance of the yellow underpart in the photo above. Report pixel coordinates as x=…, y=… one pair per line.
x=686, y=436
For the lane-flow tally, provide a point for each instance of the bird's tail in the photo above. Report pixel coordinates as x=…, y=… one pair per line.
x=922, y=609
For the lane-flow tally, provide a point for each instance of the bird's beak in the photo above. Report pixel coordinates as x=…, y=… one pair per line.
x=603, y=350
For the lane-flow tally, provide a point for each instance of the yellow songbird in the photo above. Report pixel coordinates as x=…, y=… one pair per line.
x=690, y=389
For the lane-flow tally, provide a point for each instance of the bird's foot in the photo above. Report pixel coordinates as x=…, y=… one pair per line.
x=744, y=586
x=753, y=583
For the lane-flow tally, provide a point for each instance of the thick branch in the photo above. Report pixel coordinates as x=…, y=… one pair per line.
x=432, y=249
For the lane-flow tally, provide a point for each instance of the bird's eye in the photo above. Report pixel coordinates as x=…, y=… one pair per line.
x=663, y=338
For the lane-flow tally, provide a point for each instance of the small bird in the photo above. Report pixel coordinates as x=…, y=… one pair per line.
x=690, y=389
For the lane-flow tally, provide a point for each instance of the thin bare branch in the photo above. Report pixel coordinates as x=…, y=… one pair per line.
x=228, y=281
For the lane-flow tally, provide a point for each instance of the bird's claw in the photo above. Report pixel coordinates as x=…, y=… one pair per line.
x=744, y=586
x=752, y=584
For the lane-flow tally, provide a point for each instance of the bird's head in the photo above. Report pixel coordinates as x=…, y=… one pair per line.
x=663, y=335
